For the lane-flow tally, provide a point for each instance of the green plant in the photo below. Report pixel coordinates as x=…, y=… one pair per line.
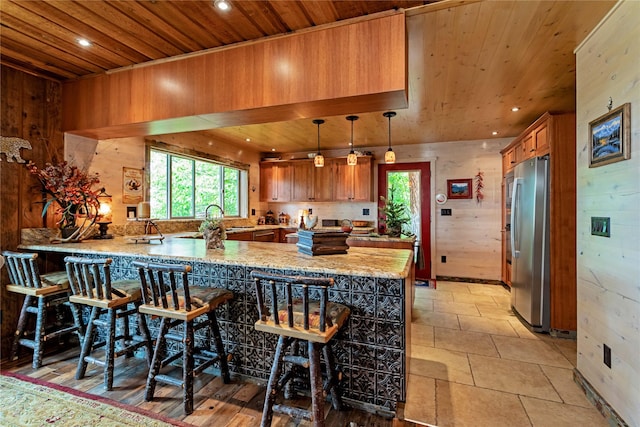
x=394, y=214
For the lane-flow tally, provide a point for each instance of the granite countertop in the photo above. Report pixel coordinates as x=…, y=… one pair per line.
x=372, y=262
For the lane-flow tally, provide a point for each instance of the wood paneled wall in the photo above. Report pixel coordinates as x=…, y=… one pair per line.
x=608, y=269
x=356, y=67
x=30, y=109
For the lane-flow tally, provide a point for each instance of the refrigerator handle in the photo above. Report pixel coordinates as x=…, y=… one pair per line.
x=515, y=250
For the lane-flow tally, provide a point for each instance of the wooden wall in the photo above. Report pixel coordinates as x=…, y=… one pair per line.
x=608, y=268
x=30, y=109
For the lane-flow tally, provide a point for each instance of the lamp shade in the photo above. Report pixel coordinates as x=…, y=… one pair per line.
x=389, y=156
x=318, y=160
x=352, y=157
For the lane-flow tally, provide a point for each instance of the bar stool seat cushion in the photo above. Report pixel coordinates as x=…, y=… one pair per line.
x=126, y=288
x=57, y=278
x=338, y=313
x=203, y=299
x=122, y=292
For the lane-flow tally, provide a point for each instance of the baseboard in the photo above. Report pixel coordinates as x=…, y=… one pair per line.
x=611, y=416
x=469, y=280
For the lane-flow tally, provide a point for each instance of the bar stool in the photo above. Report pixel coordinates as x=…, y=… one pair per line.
x=299, y=319
x=90, y=281
x=41, y=293
x=178, y=305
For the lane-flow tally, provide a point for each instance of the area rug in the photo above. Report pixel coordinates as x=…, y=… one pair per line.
x=26, y=402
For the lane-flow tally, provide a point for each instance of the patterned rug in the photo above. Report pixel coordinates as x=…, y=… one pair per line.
x=26, y=401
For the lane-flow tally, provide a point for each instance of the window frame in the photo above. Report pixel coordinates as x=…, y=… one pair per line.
x=183, y=153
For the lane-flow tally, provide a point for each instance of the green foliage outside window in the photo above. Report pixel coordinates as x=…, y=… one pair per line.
x=192, y=185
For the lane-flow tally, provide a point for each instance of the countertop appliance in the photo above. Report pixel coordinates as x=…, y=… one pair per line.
x=529, y=235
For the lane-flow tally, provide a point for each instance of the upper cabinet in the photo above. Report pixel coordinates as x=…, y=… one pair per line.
x=353, y=182
x=301, y=181
x=532, y=143
x=275, y=182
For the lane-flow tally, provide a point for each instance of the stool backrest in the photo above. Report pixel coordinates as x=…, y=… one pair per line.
x=280, y=288
x=164, y=284
x=90, y=277
x=23, y=269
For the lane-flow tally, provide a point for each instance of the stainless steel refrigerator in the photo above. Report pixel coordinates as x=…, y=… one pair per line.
x=529, y=237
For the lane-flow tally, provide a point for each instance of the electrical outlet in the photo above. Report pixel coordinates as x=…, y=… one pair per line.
x=310, y=211
x=365, y=211
x=607, y=355
x=445, y=212
x=443, y=259
x=253, y=211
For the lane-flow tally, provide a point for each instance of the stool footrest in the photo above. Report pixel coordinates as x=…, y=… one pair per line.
x=129, y=347
x=59, y=332
x=94, y=360
x=167, y=379
x=293, y=412
x=174, y=337
x=297, y=360
x=26, y=342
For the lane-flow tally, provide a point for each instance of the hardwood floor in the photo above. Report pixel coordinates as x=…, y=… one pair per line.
x=238, y=404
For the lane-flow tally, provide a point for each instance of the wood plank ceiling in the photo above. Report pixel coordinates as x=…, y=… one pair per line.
x=469, y=62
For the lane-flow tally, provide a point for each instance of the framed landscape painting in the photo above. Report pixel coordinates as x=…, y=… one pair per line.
x=459, y=188
x=610, y=137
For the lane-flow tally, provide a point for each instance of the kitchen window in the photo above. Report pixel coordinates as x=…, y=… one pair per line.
x=182, y=186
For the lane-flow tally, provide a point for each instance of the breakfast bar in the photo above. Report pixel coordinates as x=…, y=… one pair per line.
x=371, y=350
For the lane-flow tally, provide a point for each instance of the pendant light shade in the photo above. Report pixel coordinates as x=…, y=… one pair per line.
x=352, y=158
x=318, y=160
x=389, y=156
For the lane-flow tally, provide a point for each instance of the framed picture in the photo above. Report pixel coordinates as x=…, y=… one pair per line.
x=459, y=189
x=131, y=186
x=610, y=137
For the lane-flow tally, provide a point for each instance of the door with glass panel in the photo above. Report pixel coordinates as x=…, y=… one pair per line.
x=409, y=184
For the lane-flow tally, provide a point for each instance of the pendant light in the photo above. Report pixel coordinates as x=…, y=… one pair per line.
x=318, y=160
x=389, y=156
x=352, y=158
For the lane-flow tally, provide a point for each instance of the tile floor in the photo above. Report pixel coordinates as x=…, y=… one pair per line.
x=473, y=363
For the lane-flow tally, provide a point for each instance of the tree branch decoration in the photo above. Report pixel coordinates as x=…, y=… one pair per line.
x=479, y=181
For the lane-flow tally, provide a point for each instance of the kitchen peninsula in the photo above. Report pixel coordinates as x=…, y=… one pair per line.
x=372, y=348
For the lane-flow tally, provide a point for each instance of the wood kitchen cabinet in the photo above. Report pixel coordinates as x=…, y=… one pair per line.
x=352, y=183
x=275, y=182
x=309, y=183
x=553, y=135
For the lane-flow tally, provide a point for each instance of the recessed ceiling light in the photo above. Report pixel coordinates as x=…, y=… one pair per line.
x=514, y=109
x=273, y=149
x=84, y=42
x=495, y=132
x=248, y=139
x=222, y=4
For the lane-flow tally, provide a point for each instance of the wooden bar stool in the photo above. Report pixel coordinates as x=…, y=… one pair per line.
x=90, y=281
x=41, y=293
x=178, y=305
x=290, y=313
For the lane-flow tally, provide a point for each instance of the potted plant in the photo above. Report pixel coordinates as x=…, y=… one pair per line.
x=394, y=215
x=69, y=189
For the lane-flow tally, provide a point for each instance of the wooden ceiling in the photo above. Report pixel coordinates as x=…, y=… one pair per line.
x=469, y=62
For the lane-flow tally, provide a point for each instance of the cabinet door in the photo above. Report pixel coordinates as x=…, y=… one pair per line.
x=529, y=147
x=266, y=235
x=275, y=182
x=302, y=181
x=323, y=182
x=244, y=236
x=541, y=136
x=508, y=160
x=352, y=182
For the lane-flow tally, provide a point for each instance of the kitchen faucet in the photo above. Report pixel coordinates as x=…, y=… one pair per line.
x=206, y=211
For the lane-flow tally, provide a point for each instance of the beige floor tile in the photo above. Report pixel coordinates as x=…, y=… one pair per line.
x=562, y=380
x=526, y=350
x=421, y=399
x=460, y=405
x=452, y=287
x=503, y=302
x=455, y=308
x=486, y=325
x=544, y=413
x=441, y=364
x=474, y=299
x=491, y=290
x=422, y=304
x=435, y=295
x=422, y=335
x=511, y=376
x=468, y=342
x=496, y=312
x=568, y=348
x=445, y=320
x=522, y=330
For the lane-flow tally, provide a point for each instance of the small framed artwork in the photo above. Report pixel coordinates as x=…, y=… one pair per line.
x=459, y=189
x=610, y=137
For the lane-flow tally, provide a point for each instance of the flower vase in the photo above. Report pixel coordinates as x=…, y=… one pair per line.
x=67, y=232
x=213, y=238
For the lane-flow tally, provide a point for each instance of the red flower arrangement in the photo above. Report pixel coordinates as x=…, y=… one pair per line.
x=70, y=188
